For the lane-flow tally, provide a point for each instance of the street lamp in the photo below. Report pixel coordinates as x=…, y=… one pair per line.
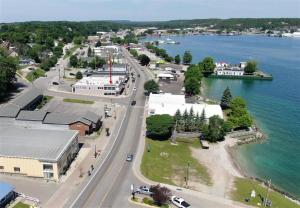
x=187, y=174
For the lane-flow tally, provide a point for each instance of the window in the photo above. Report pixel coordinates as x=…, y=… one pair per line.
x=1, y=167
x=48, y=175
x=17, y=169
x=47, y=167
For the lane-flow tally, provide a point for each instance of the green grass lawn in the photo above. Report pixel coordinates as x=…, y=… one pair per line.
x=70, y=100
x=71, y=51
x=21, y=205
x=167, y=163
x=244, y=188
x=35, y=74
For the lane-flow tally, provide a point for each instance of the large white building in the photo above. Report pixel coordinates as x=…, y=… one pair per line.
x=100, y=85
x=168, y=104
x=225, y=69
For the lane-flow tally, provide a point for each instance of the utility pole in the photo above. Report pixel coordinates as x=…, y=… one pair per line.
x=95, y=153
x=266, y=200
x=187, y=174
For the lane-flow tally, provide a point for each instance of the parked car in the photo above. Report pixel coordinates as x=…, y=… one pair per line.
x=129, y=157
x=133, y=102
x=179, y=202
x=55, y=83
x=144, y=190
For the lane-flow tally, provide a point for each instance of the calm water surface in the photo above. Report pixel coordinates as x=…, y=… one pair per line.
x=275, y=105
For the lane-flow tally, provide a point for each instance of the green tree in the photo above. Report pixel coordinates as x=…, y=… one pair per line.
x=187, y=57
x=144, y=59
x=78, y=75
x=239, y=117
x=192, y=86
x=216, y=129
x=177, y=59
x=226, y=98
x=134, y=52
x=208, y=65
x=78, y=40
x=73, y=61
x=160, y=126
x=202, y=119
x=8, y=66
x=151, y=87
x=251, y=67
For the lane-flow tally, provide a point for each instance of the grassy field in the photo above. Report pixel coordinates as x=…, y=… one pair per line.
x=21, y=205
x=35, y=74
x=167, y=163
x=244, y=188
x=70, y=100
x=71, y=51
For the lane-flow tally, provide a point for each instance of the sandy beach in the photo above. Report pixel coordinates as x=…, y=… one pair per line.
x=221, y=167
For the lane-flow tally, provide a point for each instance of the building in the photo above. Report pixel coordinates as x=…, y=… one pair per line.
x=168, y=104
x=116, y=70
x=7, y=193
x=29, y=99
x=166, y=77
x=37, y=152
x=229, y=70
x=100, y=85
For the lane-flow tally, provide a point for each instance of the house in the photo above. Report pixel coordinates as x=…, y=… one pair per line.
x=7, y=193
x=94, y=118
x=168, y=104
x=230, y=70
x=41, y=153
x=69, y=121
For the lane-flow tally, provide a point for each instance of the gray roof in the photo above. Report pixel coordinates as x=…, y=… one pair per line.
x=106, y=66
x=93, y=117
x=31, y=115
x=64, y=119
x=41, y=144
x=9, y=110
x=27, y=97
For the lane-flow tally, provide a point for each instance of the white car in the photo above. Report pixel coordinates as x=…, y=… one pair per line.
x=179, y=202
x=144, y=190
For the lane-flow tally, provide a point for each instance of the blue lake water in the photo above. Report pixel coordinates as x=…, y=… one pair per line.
x=275, y=105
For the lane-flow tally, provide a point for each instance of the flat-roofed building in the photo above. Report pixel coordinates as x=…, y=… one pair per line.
x=116, y=70
x=100, y=85
x=168, y=104
x=37, y=152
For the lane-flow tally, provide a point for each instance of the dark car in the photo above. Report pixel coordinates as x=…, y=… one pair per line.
x=55, y=83
x=133, y=102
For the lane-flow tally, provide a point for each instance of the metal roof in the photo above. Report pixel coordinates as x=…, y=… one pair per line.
x=40, y=144
x=31, y=115
x=5, y=189
x=93, y=117
x=27, y=97
x=64, y=119
x=9, y=110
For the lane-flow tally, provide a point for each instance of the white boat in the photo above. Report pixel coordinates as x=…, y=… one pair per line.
x=291, y=35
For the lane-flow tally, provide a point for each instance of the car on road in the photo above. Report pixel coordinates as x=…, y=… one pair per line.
x=129, y=158
x=133, y=102
x=55, y=83
x=144, y=190
x=179, y=202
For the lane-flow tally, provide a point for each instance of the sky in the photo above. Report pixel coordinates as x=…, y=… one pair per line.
x=143, y=10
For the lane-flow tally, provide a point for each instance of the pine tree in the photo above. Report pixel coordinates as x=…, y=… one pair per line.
x=202, y=119
x=191, y=120
x=185, y=119
x=226, y=98
x=197, y=122
x=177, y=118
